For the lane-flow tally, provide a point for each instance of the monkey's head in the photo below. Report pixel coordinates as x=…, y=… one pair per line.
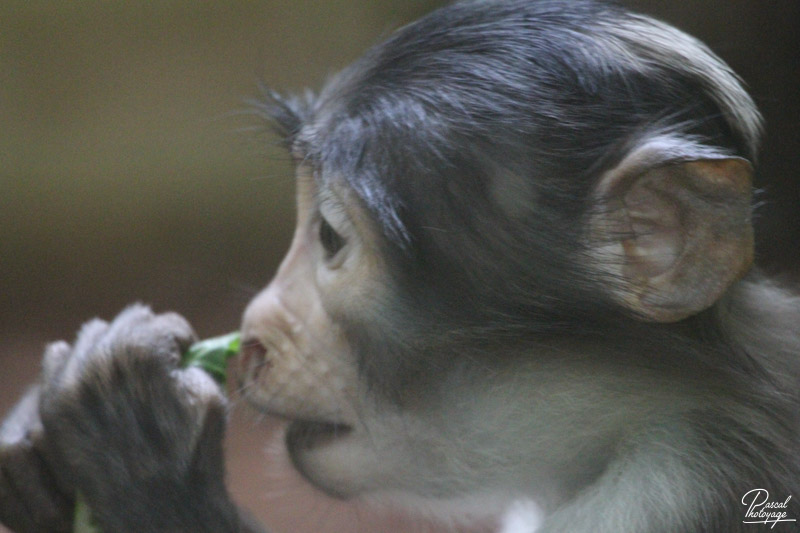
x=497, y=206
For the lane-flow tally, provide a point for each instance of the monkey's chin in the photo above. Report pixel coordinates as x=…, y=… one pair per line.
x=313, y=447
x=332, y=457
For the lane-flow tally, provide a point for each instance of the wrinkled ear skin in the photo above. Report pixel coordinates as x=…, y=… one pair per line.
x=676, y=236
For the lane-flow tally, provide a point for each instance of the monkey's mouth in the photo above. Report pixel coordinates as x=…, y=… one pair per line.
x=287, y=386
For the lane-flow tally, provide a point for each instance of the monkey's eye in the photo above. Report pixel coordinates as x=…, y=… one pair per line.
x=331, y=241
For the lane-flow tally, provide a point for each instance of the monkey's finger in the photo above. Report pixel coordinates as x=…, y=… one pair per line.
x=22, y=421
x=89, y=336
x=198, y=390
x=165, y=336
x=61, y=362
x=54, y=360
x=178, y=328
x=209, y=455
x=130, y=328
x=202, y=395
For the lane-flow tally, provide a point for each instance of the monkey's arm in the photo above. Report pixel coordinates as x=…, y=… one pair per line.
x=32, y=500
x=140, y=438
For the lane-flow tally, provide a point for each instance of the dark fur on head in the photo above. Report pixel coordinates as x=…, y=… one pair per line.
x=519, y=96
x=475, y=137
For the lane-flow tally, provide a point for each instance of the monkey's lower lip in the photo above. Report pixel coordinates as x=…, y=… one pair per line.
x=307, y=434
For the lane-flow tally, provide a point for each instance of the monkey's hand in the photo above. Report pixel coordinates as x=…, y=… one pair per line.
x=140, y=437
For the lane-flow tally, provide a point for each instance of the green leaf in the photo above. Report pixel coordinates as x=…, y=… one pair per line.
x=212, y=355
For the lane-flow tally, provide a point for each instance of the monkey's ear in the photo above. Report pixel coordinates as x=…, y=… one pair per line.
x=673, y=235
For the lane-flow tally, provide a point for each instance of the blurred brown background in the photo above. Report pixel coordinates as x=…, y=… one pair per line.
x=128, y=173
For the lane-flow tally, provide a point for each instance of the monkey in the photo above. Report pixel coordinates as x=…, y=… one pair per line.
x=521, y=278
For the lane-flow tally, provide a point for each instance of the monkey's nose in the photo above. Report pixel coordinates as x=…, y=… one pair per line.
x=252, y=359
